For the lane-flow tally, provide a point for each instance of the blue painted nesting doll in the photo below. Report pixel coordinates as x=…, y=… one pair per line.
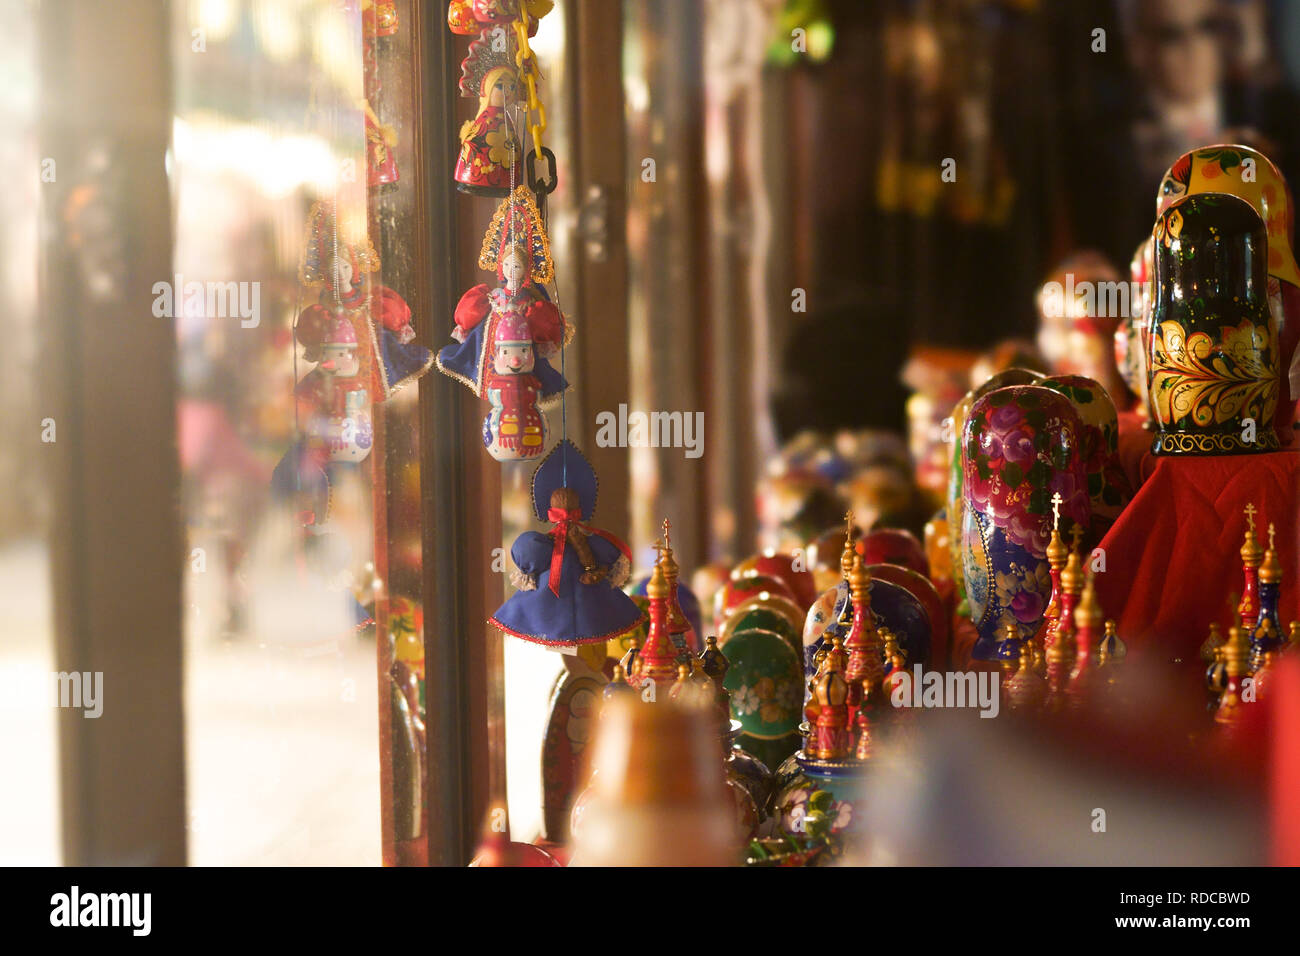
x=1020, y=447
x=1212, y=373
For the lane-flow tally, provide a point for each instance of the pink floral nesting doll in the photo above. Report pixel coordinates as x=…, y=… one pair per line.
x=1021, y=446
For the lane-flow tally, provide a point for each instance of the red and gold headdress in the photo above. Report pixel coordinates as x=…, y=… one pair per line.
x=323, y=245
x=518, y=224
x=491, y=50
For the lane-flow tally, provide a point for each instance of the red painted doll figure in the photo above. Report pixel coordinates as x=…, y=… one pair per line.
x=341, y=270
x=491, y=152
x=506, y=335
x=381, y=162
x=468, y=17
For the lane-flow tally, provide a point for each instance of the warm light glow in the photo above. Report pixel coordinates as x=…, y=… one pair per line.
x=216, y=18
x=279, y=165
x=277, y=30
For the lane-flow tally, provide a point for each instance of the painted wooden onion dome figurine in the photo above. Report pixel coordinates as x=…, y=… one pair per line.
x=657, y=661
x=506, y=335
x=1252, y=555
x=680, y=629
x=570, y=578
x=1266, y=635
x=1213, y=370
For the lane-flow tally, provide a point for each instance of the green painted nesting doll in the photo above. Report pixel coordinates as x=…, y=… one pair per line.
x=1212, y=374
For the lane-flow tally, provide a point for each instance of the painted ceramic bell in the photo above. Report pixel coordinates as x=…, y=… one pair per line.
x=765, y=681
x=1021, y=445
x=1108, y=486
x=1212, y=371
x=955, y=503
x=491, y=153
x=1250, y=175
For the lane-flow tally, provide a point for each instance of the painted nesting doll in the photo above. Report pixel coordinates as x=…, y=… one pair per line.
x=1250, y=175
x=491, y=151
x=570, y=578
x=955, y=503
x=1108, y=486
x=1131, y=333
x=505, y=335
x=1079, y=307
x=1021, y=445
x=1212, y=371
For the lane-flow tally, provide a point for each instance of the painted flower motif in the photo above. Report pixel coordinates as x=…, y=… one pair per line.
x=1211, y=384
x=501, y=146
x=745, y=700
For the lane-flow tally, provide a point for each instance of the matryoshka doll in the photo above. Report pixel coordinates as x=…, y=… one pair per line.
x=1021, y=445
x=1108, y=486
x=491, y=152
x=1212, y=371
x=1131, y=333
x=1249, y=175
x=505, y=336
x=1079, y=308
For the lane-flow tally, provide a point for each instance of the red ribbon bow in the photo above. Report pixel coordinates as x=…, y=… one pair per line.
x=563, y=518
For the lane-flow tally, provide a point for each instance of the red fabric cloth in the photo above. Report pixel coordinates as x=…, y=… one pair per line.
x=1172, y=556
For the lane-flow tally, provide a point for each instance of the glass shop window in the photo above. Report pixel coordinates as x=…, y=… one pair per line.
x=291, y=170
x=29, y=802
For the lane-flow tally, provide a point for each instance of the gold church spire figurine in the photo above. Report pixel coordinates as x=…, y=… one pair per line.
x=1236, y=654
x=1251, y=557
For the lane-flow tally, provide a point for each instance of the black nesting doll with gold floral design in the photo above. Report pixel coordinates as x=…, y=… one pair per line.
x=1212, y=375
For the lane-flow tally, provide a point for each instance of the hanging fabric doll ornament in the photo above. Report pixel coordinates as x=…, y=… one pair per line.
x=491, y=153
x=506, y=335
x=390, y=357
x=570, y=578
